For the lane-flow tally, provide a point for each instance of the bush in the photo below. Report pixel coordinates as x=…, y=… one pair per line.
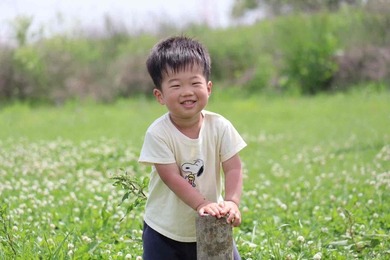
x=61, y=68
x=232, y=52
x=362, y=64
x=6, y=77
x=307, y=45
x=259, y=78
x=30, y=79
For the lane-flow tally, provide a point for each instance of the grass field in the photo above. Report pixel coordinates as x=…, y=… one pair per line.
x=317, y=177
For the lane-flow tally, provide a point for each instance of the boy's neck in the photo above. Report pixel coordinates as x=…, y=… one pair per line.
x=189, y=127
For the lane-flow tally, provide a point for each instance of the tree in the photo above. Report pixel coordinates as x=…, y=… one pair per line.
x=21, y=28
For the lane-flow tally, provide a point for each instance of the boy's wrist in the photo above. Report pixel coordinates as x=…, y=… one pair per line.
x=234, y=201
x=203, y=202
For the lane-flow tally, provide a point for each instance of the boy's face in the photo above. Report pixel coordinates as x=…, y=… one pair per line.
x=185, y=93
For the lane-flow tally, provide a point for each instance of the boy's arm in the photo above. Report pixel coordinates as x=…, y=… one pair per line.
x=170, y=175
x=233, y=187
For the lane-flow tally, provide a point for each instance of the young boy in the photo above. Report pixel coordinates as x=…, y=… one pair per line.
x=187, y=148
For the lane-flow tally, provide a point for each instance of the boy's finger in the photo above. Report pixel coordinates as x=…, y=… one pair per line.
x=235, y=222
x=224, y=211
x=230, y=219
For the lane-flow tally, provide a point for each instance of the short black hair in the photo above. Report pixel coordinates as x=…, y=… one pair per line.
x=177, y=53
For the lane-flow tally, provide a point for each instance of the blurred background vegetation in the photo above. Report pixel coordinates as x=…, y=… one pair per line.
x=297, y=48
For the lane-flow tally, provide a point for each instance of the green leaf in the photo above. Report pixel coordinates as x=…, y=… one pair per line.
x=125, y=196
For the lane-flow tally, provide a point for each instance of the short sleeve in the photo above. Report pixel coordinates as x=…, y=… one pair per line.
x=231, y=142
x=155, y=150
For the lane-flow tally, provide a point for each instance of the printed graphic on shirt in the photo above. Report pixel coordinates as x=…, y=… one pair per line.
x=192, y=170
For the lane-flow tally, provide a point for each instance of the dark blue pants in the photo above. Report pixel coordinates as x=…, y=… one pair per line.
x=159, y=247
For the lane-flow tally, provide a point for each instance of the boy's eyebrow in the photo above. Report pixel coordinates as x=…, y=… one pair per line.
x=191, y=78
x=172, y=80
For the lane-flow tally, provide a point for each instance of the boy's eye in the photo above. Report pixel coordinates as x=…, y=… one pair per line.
x=197, y=83
x=175, y=86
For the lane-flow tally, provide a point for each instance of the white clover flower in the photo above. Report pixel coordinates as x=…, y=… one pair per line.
x=289, y=257
x=70, y=246
x=138, y=258
x=360, y=245
x=15, y=228
x=283, y=206
x=86, y=239
x=128, y=256
x=301, y=239
x=70, y=252
x=119, y=254
x=317, y=256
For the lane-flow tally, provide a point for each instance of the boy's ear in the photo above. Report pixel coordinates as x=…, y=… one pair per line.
x=209, y=87
x=159, y=96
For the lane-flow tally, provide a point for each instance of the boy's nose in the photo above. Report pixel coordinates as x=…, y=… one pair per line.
x=187, y=90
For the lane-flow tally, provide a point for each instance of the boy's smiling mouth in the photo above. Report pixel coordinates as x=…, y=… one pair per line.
x=188, y=102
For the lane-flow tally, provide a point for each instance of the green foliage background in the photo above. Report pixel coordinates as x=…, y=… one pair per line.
x=298, y=53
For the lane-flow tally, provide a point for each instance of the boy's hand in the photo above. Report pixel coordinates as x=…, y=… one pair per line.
x=211, y=208
x=230, y=209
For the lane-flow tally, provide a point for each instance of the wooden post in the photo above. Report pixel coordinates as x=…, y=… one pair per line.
x=214, y=238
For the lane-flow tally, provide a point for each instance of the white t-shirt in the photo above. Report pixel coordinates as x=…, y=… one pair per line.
x=199, y=161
